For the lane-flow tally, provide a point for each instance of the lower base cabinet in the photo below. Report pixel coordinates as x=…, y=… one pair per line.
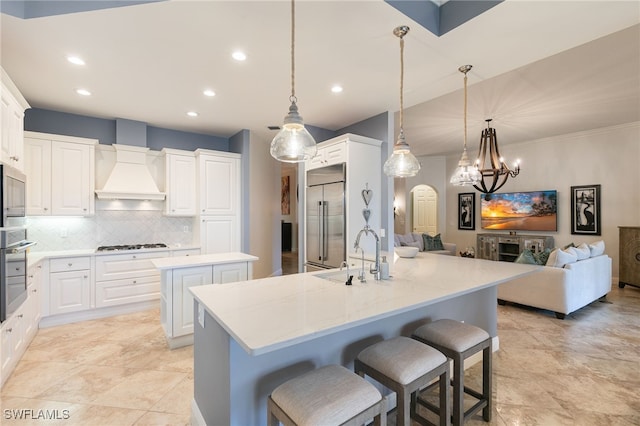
x=176, y=303
x=69, y=285
x=17, y=331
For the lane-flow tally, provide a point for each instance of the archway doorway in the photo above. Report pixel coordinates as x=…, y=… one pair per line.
x=424, y=211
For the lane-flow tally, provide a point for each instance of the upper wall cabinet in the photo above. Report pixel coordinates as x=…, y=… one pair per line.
x=219, y=223
x=60, y=175
x=219, y=182
x=12, y=105
x=180, y=182
x=327, y=155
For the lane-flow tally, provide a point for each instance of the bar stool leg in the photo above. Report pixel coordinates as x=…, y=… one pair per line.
x=486, y=382
x=458, y=390
x=445, y=407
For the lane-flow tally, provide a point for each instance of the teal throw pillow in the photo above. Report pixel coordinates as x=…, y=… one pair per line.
x=526, y=257
x=432, y=243
x=542, y=257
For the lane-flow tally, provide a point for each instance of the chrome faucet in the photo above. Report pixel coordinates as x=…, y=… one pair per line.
x=345, y=263
x=375, y=270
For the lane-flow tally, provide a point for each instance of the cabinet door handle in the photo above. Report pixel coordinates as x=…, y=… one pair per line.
x=9, y=330
x=134, y=256
x=70, y=264
x=46, y=208
x=86, y=276
x=20, y=316
x=35, y=290
x=135, y=282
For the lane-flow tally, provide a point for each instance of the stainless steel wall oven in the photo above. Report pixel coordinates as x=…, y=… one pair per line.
x=13, y=241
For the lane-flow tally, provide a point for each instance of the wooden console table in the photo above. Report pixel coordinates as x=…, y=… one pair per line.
x=629, y=256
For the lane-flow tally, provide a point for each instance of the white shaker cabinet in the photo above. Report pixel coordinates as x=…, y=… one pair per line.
x=127, y=278
x=60, y=175
x=70, y=285
x=180, y=182
x=12, y=107
x=219, y=209
x=179, y=274
x=328, y=155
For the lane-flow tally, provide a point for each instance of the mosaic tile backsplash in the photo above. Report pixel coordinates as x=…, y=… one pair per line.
x=109, y=228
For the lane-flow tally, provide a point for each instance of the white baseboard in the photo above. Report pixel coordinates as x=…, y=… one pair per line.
x=197, y=418
x=91, y=314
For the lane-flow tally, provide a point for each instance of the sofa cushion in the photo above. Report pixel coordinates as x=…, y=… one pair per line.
x=582, y=251
x=432, y=243
x=596, y=248
x=413, y=244
x=404, y=239
x=558, y=258
x=541, y=257
x=417, y=238
x=526, y=257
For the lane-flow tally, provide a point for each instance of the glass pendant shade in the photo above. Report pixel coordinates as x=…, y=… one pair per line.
x=466, y=173
x=402, y=163
x=293, y=143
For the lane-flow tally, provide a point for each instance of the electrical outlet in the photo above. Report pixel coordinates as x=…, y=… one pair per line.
x=185, y=229
x=63, y=233
x=383, y=233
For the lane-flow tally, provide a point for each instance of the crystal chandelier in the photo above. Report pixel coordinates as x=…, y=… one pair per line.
x=293, y=143
x=401, y=163
x=466, y=173
x=495, y=177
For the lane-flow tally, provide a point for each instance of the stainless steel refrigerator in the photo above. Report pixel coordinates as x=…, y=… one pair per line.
x=325, y=217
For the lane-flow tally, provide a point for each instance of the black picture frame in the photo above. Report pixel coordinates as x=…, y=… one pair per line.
x=585, y=210
x=467, y=211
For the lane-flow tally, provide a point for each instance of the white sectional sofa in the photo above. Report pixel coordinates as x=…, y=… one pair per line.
x=561, y=289
x=416, y=240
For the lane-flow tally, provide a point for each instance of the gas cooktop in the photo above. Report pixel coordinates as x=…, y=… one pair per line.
x=131, y=247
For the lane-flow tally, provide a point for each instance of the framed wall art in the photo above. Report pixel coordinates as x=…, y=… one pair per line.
x=466, y=211
x=585, y=210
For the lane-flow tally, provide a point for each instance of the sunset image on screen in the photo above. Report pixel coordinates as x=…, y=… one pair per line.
x=531, y=211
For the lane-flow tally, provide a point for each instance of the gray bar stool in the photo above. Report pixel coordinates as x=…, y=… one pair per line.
x=330, y=395
x=459, y=341
x=405, y=366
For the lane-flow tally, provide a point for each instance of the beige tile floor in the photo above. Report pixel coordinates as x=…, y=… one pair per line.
x=583, y=371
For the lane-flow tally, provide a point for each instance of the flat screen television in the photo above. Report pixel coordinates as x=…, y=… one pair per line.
x=520, y=211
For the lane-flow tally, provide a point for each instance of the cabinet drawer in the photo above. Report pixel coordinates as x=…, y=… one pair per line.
x=129, y=265
x=129, y=290
x=69, y=264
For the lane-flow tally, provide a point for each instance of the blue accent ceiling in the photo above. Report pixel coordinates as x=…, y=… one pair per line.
x=442, y=19
x=27, y=9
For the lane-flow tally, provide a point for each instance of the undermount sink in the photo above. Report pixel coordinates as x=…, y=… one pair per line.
x=335, y=276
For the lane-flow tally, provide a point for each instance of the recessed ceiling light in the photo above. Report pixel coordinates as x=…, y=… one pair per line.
x=83, y=92
x=239, y=56
x=336, y=89
x=209, y=93
x=76, y=60
x=192, y=114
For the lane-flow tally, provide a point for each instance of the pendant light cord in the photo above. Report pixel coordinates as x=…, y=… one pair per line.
x=293, y=57
x=401, y=81
x=465, y=110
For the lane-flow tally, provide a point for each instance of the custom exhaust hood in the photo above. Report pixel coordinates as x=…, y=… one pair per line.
x=130, y=178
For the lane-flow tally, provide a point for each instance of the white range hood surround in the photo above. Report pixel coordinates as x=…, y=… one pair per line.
x=130, y=178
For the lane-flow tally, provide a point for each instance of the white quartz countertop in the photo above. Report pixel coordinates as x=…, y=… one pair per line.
x=36, y=256
x=267, y=314
x=178, y=262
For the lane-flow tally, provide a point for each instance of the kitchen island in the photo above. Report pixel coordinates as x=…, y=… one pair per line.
x=252, y=336
x=178, y=274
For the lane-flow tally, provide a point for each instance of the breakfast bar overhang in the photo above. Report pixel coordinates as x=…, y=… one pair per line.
x=251, y=336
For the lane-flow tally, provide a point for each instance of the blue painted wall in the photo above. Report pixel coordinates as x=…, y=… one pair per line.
x=62, y=123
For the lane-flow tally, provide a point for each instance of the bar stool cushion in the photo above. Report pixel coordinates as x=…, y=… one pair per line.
x=328, y=395
x=452, y=334
x=402, y=359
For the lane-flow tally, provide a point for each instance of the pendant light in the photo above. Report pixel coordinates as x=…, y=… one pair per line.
x=401, y=163
x=293, y=143
x=466, y=173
